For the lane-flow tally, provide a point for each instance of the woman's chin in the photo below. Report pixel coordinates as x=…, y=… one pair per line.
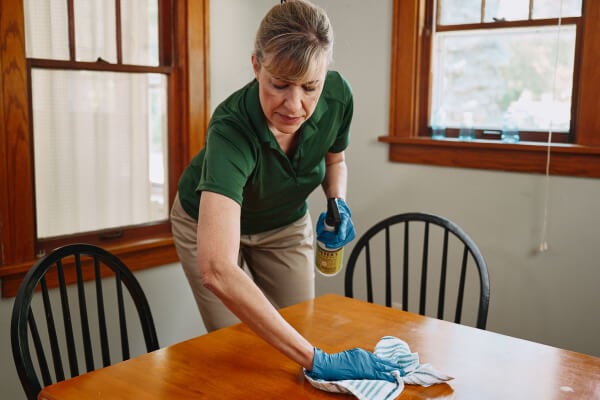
x=288, y=129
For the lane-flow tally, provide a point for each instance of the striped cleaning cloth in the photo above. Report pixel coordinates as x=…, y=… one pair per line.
x=394, y=350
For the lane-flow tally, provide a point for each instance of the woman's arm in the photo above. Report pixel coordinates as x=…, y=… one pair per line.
x=218, y=246
x=336, y=175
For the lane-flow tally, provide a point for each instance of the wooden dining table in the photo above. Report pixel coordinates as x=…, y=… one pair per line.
x=234, y=363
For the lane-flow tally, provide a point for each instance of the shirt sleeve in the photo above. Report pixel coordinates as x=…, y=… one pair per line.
x=343, y=136
x=228, y=162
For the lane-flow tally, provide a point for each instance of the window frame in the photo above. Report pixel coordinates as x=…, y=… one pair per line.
x=184, y=30
x=412, y=21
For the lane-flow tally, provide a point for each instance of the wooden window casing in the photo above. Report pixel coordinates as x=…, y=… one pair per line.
x=407, y=137
x=183, y=31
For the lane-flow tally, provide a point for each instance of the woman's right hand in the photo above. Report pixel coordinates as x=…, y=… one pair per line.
x=351, y=364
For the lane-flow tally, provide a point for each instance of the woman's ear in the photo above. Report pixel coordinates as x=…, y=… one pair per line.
x=255, y=66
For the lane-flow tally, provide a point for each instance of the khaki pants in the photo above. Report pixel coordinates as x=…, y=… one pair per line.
x=280, y=261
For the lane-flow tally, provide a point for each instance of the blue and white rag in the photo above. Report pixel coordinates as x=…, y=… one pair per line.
x=394, y=350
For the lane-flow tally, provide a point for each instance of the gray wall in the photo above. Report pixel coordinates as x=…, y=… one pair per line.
x=547, y=297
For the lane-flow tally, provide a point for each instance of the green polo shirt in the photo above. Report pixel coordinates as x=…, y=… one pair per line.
x=243, y=161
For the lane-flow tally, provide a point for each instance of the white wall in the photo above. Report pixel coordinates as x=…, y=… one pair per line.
x=548, y=297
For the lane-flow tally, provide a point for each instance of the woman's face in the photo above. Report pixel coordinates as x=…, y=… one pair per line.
x=287, y=105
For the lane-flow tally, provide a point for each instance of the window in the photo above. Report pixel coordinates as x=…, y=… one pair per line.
x=496, y=64
x=485, y=64
x=99, y=116
x=98, y=123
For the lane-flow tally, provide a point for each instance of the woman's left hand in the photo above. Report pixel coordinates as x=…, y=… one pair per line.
x=345, y=232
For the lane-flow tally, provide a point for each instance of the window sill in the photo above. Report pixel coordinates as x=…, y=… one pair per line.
x=136, y=255
x=530, y=157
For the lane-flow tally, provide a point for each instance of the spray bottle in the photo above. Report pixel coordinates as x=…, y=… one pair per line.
x=329, y=261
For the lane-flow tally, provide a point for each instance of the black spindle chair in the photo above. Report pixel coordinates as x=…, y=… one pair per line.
x=78, y=325
x=425, y=257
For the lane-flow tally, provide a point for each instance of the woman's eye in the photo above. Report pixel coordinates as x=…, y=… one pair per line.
x=279, y=87
x=309, y=88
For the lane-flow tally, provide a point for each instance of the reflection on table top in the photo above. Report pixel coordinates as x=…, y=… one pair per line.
x=234, y=363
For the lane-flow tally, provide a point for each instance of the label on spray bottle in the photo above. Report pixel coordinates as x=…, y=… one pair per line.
x=329, y=261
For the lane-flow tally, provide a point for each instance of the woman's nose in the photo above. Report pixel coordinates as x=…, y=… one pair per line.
x=293, y=99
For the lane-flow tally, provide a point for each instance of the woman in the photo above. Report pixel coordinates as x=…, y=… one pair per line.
x=242, y=199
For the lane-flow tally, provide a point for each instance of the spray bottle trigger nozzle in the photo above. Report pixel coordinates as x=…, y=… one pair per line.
x=333, y=218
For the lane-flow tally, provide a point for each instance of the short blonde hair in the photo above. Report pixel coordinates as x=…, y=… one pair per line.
x=291, y=39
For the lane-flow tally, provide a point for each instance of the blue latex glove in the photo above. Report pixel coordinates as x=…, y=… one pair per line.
x=351, y=364
x=345, y=232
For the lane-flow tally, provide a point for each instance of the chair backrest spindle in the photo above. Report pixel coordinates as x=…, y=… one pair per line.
x=443, y=276
x=369, y=274
x=424, y=264
x=461, y=285
x=102, y=326
x=83, y=317
x=122, y=318
x=388, y=270
x=67, y=322
x=52, y=335
x=405, y=275
x=39, y=350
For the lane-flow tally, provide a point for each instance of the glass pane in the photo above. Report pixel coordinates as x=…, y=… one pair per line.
x=46, y=29
x=95, y=30
x=139, y=21
x=552, y=8
x=100, y=144
x=459, y=12
x=521, y=72
x=507, y=10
